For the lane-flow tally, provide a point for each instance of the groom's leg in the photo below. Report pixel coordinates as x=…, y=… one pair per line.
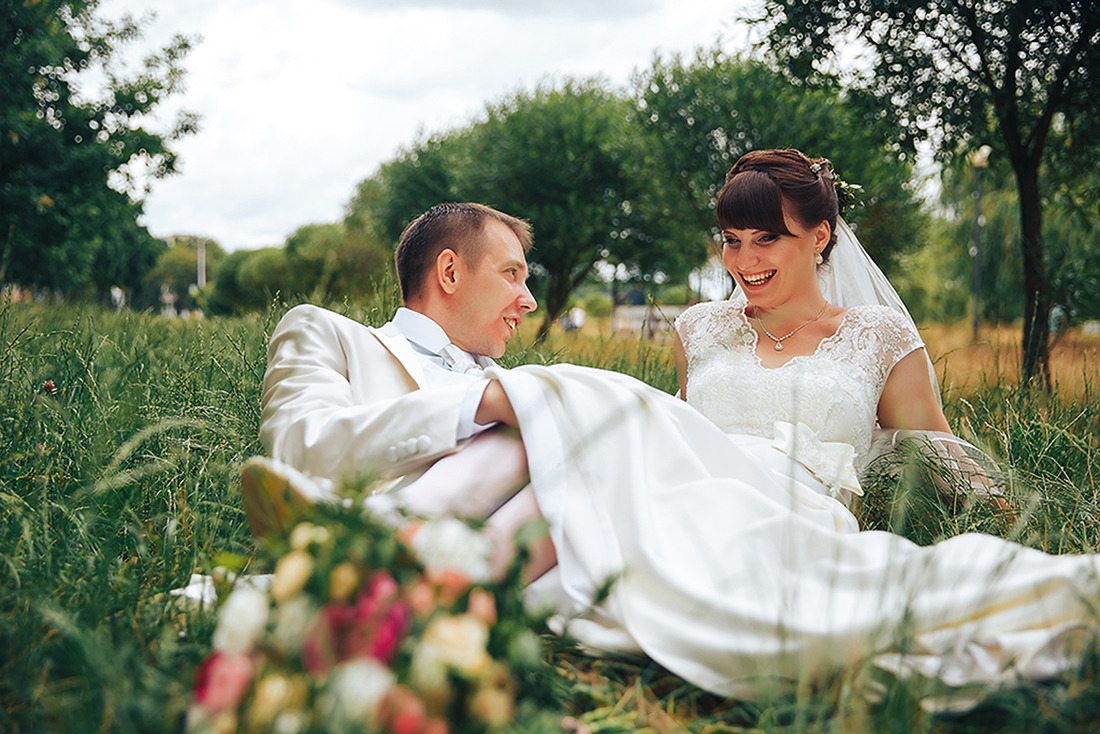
x=472, y=482
x=488, y=480
x=502, y=527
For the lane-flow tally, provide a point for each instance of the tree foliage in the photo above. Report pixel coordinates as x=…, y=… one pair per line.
x=959, y=73
x=573, y=160
x=176, y=271
x=936, y=283
x=69, y=157
x=1074, y=265
x=419, y=177
x=708, y=112
x=335, y=261
x=229, y=293
x=322, y=262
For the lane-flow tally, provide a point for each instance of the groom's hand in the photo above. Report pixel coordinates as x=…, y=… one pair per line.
x=495, y=406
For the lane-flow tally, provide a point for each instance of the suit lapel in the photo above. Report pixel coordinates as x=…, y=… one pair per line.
x=393, y=340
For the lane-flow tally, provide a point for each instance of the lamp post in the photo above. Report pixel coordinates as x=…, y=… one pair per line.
x=979, y=159
x=200, y=275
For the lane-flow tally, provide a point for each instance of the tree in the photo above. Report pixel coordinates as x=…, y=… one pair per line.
x=334, y=261
x=68, y=157
x=1075, y=266
x=177, y=269
x=577, y=164
x=228, y=294
x=958, y=72
x=707, y=113
x=263, y=275
x=574, y=161
x=419, y=177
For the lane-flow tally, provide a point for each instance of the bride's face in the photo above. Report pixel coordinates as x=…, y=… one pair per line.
x=774, y=268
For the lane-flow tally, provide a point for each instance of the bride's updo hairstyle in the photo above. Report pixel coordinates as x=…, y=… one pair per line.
x=762, y=183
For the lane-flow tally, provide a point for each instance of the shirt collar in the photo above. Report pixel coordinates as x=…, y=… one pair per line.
x=420, y=330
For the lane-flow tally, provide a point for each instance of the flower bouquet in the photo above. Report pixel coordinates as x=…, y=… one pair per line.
x=367, y=627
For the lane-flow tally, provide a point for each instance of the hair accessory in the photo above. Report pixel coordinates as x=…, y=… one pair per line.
x=847, y=194
x=819, y=259
x=779, y=339
x=815, y=167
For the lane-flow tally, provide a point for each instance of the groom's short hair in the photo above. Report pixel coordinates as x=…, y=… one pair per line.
x=457, y=226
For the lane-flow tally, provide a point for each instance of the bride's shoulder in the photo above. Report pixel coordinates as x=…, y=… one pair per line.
x=882, y=320
x=875, y=314
x=708, y=314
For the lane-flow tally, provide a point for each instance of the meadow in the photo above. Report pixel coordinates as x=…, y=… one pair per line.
x=122, y=438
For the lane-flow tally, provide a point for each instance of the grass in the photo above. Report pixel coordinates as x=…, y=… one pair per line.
x=121, y=439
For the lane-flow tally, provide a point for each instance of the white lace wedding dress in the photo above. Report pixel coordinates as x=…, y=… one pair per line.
x=734, y=559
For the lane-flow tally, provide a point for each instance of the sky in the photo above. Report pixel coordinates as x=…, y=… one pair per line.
x=300, y=100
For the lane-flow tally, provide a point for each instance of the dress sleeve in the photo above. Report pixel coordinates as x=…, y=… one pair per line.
x=898, y=338
x=685, y=323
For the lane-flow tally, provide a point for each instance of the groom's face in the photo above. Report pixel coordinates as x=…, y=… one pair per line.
x=493, y=295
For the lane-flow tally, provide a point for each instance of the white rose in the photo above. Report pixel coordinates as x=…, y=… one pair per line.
x=448, y=544
x=354, y=690
x=292, y=571
x=301, y=535
x=288, y=722
x=457, y=642
x=292, y=619
x=274, y=695
x=241, y=621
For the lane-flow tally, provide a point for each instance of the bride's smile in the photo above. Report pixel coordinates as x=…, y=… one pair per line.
x=775, y=269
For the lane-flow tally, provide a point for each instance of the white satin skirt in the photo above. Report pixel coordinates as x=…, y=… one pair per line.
x=739, y=568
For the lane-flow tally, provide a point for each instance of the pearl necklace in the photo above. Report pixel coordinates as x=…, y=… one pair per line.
x=779, y=339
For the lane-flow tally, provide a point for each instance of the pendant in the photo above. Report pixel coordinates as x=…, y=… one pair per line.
x=778, y=347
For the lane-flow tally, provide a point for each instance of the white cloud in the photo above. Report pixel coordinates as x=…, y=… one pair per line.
x=302, y=99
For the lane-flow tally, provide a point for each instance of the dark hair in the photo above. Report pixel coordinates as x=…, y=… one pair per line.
x=762, y=183
x=450, y=225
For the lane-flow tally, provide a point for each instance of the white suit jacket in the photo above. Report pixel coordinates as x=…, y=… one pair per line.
x=341, y=399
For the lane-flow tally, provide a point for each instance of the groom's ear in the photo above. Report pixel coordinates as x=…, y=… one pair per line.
x=447, y=271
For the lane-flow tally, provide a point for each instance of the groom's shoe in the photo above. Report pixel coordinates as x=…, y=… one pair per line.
x=274, y=495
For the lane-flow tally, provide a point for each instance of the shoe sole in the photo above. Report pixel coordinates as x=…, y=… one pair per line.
x=271, y=501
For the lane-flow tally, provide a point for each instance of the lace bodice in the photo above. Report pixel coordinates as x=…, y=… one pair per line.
x=835, y=391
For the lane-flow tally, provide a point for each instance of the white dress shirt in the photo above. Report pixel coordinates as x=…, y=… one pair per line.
x=428, y=339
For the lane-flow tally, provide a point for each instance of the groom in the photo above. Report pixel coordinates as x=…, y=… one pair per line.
x=406, y=401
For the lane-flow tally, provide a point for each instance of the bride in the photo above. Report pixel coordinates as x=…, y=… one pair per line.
x=722, y=525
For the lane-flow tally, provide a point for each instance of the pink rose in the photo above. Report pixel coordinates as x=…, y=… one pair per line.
x=373, y=627
x=381, y=620
x=222, y=680
x=402, y=712
x=436, y=726
x=321, y=648
x=482, y=605
x=449, y=583
x=421, y=597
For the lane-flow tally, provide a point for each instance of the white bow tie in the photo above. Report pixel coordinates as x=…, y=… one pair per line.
x=459, y=360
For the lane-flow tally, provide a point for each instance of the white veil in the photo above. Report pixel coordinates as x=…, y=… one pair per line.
x=851, y=278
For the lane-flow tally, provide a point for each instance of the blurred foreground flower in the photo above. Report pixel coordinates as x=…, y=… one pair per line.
x=370, y=628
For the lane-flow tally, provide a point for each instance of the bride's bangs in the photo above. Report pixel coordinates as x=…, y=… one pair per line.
x=751, y=200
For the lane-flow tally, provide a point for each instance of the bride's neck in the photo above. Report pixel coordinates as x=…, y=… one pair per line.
x=804, y=309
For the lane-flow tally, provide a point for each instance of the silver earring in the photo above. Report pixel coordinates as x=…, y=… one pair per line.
x=819, y=259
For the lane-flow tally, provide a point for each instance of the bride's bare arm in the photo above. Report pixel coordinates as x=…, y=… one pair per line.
x=680, y=358
x=908, y=401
